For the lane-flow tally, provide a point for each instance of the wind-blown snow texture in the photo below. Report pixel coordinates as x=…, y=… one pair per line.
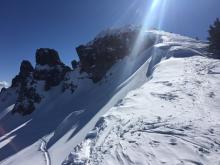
x=158, y=107
x=172, y=119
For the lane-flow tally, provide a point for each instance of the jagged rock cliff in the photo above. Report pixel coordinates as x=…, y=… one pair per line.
x=49, y=70
x=96, y=58
x=27, y=95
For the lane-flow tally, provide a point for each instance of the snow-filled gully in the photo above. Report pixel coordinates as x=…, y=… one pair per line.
x=43, y=148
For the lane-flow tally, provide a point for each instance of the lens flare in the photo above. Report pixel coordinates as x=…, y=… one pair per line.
x=155, y=14
x=154, y=18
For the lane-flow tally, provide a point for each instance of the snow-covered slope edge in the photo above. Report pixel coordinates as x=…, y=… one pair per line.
x=171, y=119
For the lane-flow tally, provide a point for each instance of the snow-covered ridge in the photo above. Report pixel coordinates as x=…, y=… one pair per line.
x=134, y=109
x=171, y=119
x=160, y=122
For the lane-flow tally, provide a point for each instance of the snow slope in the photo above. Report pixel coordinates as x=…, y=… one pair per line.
x=149, y=108
x=171, y=119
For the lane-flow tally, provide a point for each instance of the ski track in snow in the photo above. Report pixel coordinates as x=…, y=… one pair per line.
x=43, y=148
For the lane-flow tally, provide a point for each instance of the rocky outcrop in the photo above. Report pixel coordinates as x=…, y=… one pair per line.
x=26, y=68
x=49, y=69
x=27, y=98
x=27, y=95
x=46, y=56
x=97, y=57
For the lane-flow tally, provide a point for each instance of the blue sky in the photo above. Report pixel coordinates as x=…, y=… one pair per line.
x=26, y=25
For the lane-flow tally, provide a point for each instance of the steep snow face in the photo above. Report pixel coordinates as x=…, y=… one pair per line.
x=171, y=119
x=61, y=122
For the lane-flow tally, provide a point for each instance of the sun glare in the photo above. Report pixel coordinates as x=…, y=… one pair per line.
x=152, y=19
x=154, y=14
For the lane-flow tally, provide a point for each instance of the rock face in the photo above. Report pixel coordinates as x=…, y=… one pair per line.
x=26, y=100
x=49, y=69
x=46, y=56
x=27, y=95
x=98, y=56
x=26, y=68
